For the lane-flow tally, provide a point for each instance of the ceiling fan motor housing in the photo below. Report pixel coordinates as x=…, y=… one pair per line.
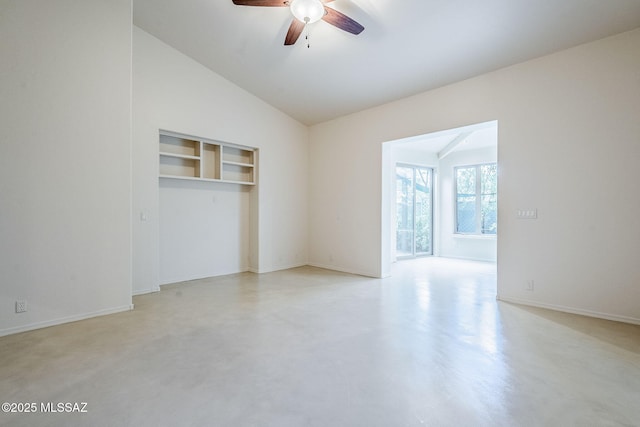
x=307, y=11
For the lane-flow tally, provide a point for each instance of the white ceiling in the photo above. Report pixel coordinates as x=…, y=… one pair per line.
x=407, y=47
x=472, y=137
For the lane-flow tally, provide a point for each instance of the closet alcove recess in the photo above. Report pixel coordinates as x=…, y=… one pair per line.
x=188, y=157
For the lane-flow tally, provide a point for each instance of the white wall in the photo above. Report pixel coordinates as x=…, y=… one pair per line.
x=413, y=157
x=481, y=248
x=204, y=229
x=65, y=160
x=210, y=228
x=569, y=134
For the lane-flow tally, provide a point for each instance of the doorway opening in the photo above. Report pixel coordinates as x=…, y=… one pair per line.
x=443, y=159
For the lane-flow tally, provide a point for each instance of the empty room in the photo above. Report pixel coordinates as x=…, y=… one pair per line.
x=319, y=213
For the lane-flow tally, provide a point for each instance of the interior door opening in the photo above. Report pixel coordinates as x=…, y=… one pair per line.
x=445, y=155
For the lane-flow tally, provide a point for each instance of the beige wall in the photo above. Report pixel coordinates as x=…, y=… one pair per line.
x=65, y=160
x=568, y=145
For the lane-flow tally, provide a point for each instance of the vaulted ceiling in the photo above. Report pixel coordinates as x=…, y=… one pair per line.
x=407, y=47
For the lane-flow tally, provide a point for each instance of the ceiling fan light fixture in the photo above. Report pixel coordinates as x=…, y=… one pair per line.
x=307, y=11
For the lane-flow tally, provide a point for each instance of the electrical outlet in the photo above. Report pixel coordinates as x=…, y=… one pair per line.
x=529, y=285
x=21, y=306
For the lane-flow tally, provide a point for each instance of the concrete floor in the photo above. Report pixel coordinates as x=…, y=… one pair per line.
x=309, y=347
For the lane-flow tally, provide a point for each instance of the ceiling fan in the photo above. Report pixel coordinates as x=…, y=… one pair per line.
x=307, y=12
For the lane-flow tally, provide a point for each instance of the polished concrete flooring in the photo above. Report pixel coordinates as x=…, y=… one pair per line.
x=429, y=346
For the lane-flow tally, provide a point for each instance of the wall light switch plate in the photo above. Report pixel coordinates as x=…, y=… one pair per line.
x=527, y=213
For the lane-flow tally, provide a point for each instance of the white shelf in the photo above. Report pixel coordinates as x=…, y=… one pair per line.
x=190, y=178
x=245, y=165
x=179, y=156
x=185, y=157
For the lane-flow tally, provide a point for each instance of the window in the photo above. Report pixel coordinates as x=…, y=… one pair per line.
x=477, y=199
x=414, y=211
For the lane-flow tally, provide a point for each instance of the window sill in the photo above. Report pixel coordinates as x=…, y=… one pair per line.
x=475, y=236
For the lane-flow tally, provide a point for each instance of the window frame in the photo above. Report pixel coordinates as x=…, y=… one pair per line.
x=478, y=201
x=432, y=171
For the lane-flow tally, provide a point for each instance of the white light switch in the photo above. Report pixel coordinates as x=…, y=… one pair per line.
x=527, y=213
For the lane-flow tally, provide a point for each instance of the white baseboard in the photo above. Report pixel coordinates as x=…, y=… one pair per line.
x=174, y=280
x=493, y=261
x=572, y=310
x=145, y=291
x=46, y=324
x=277, y=268
x=345, y=270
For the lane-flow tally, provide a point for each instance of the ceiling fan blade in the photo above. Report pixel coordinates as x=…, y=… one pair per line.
x=342, y=21
x=295, y=29
x=270, y=3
